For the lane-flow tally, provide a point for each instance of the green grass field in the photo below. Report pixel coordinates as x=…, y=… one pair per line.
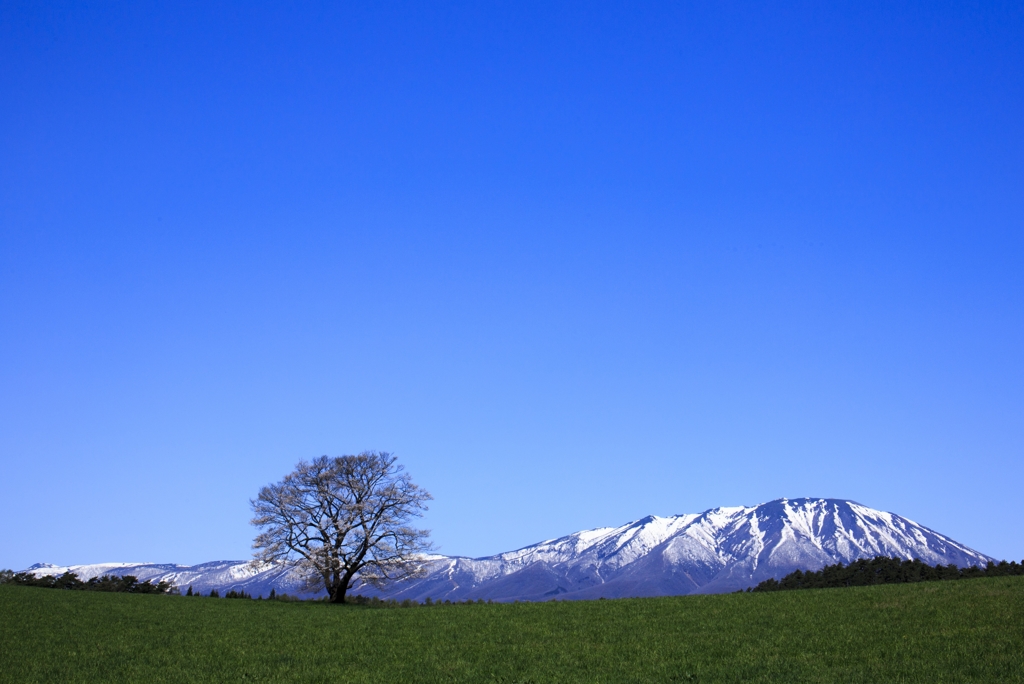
x=966, y=631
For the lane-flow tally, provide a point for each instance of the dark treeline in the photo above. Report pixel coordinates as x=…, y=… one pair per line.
x=882, y=570
x=128, y=584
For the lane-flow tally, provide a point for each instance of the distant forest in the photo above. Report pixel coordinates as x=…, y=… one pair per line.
x=882, y=570
x=128, y=584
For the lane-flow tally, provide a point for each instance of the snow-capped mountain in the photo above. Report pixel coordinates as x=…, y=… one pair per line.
x=722, y=549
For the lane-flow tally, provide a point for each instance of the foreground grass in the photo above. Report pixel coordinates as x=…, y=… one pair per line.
x=934, y=632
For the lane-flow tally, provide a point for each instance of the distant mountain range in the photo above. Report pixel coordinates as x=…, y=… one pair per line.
x=719, y=550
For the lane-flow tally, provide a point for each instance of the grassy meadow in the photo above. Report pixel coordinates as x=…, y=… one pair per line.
x=966, y=631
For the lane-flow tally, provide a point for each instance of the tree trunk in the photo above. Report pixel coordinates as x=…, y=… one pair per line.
x=340, y=587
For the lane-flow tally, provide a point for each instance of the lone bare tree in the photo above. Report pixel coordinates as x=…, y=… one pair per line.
x=343, y=519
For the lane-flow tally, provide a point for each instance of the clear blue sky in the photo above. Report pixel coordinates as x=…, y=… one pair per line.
x=573, y=263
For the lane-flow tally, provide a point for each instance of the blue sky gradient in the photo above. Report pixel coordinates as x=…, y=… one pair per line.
x=574, y=264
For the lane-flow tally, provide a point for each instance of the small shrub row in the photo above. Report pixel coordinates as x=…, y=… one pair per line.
x=375, y=602
x=242, y=594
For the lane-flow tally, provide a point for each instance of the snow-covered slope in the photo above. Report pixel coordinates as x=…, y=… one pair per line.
x=722, y=549
x=220, y=575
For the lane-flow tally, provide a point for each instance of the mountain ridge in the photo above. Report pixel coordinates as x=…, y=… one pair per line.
x=721, y=549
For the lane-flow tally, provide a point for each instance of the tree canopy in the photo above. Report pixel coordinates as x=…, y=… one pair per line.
x=343, y=519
